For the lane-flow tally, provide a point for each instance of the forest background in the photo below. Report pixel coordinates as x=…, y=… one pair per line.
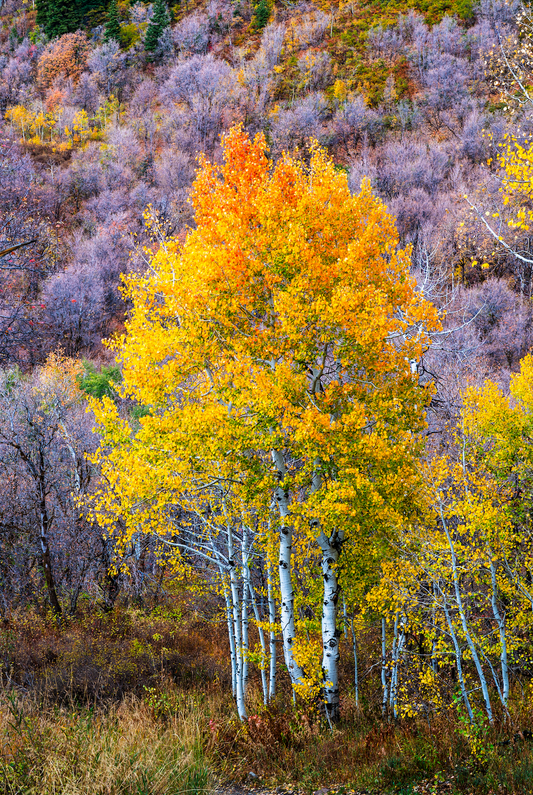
x=145, y=643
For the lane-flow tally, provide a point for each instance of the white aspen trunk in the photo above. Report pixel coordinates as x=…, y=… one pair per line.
x=397, y=648
x=398, y=655
x=384, y=682
x=330, y=634
x=433, y=661
x=231, y=636
x=330, y=548
x=495, y=678
x=393, y=659
x=458, y=660
x=271, y=634
x=288, y=628
x=262, y=641
x=244, y=606
x=356, y=663
x=354, y=649
x=236, y=609
x=344, y=618
x=464, y=622
x=500, y=620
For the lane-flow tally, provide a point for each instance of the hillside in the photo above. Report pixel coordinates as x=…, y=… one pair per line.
x=102, y=130
x=316, y=376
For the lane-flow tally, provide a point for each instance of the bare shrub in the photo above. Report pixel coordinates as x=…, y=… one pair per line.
x=309, y=29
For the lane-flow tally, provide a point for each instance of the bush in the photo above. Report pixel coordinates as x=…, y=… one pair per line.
x=66, y=57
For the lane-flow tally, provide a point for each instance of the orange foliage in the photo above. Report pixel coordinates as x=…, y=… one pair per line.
x=54, y=99
x=66, y=57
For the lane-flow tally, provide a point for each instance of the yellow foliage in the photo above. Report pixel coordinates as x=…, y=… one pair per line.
x=287, y=320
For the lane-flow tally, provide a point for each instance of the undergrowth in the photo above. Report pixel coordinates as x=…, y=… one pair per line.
x=124, y=750
x=160, y=720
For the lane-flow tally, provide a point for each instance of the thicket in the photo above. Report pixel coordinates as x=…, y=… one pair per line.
x=104, y=111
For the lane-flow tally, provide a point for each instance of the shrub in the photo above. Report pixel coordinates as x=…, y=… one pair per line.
x=66, y=57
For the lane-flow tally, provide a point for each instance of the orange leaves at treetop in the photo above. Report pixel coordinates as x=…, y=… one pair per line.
x=260, y=228
x=285, y=269
x=287, y=319
x=66, y=56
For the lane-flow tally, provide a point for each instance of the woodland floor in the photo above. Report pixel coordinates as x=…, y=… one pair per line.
x=139, y=703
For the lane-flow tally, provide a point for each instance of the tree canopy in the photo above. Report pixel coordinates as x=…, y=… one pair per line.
x=274, y=351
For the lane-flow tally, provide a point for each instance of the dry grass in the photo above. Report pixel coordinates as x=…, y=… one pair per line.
x=105, y=704
x=124, y=750
x=138, y=704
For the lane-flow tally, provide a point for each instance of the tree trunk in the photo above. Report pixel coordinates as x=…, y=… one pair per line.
x=237, y=627
x=231, y=636
x=288, y=628
x=464, y=622
x=458, y=662
x=244, y=608
x=262, y=641
x=330, y=634
x=384, y=681
x=397, y=648
x=271, y=634
x=44, y=525
x=500, y=620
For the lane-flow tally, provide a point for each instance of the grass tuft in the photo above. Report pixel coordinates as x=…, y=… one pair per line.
x=123, y=750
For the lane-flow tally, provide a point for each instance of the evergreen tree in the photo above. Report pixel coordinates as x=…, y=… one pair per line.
x=42, y=13
x=85, y=10
x=160, y=20
x=112, y=25
x=61, y=18
x=262, y=13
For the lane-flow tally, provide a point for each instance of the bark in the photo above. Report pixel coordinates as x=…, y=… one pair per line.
x=110, y=584
x=262, y=641
x=397, y=648
x=330, y=634
x=236, y=610
x=384, y=680
x=458, y=662
x=272, y=635
x=44, y=525
x=244, y=608
x=500, y=620
x=330, y=548
x=356, y=664
x=464, y=622
x=288, y=628
x=231, y=636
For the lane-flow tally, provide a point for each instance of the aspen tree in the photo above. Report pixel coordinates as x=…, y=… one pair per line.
x=464, y=569
x=273, y=350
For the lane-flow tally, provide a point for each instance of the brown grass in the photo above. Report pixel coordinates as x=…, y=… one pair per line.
x=125, y=749
x=139, y=704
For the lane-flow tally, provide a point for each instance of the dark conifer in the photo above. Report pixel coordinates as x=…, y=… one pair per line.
x=42, y=13
x=160, y=20
x=61, y=18
x=112, y=25
x=85, y=10
x=262, y=13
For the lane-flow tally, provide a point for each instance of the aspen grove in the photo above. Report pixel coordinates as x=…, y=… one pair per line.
x=275, y=356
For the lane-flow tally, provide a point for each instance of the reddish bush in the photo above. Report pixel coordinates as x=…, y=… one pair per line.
x=66, y=57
